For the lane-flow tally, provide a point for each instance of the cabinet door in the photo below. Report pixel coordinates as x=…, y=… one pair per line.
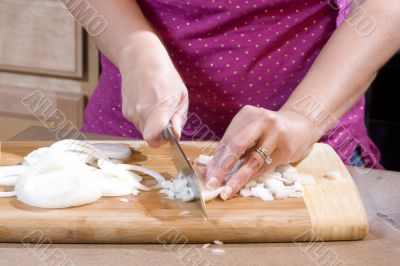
x=52, y=108
x=39, y=37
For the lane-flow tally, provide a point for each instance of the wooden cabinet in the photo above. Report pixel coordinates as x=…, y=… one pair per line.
x=42, y=50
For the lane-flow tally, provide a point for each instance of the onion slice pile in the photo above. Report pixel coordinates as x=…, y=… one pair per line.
x=71, y=173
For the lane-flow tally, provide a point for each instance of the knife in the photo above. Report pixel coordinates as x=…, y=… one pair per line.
x=185, y=169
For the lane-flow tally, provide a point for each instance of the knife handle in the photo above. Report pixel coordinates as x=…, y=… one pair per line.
x=168, y=132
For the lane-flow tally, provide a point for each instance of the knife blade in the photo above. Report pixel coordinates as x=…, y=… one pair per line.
x=185, y=169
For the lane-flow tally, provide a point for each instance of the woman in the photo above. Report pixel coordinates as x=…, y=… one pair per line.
x=271, y=77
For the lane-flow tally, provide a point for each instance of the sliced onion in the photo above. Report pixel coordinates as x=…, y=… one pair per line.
x=159, y=178
x=34, y=156
x=112, y=186
x=113, y=169
x=8, y=194
x=10, y=180
x=60, y=189
x=12, y=170
x=114, y=151
x=82, y=149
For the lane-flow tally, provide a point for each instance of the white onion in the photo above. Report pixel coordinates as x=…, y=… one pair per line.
x=87, y=152
x=160, y=179
x=246, y=192
x=8, y=194
x=10, y=174
x=60, y=176
x=177, y=188
x=283, y=182
x=211, y=194
x=112, y=186
x=64, y=188
x=205, y=246
x=204, y=159
x=304, y=179
x=218, y=242
x=34, y=156
x=114, y=151
x=217, y=251
x=113, y=169
x=10, y=180
x=262, y=193
x=335, y=175
x=12, y=170
x=286, y=168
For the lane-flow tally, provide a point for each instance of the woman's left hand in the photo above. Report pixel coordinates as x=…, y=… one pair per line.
x=286, y=135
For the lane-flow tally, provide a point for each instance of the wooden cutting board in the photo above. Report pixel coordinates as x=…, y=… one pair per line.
x=330, y=210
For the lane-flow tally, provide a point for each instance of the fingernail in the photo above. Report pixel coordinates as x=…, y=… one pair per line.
x=226, y=193
x=212, y=183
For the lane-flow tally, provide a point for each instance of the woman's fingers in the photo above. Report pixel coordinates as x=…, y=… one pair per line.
x=253, y=163
x=228, y=153
x=173, y=110
x=153, y=126
x=178, y=119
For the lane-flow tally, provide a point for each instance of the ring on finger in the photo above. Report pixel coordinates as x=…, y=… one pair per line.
x=265, y=155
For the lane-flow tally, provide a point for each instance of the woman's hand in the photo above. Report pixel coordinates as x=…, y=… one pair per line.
x=286, y=135
x=153, y=93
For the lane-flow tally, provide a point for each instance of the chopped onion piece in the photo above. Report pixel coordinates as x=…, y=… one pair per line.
x=335, y=175
x=205, y=246
x=177, y=188
x=182, y=213
x=218, y=242
x=286, y=168
x=211, y=194
x=217, y=251
x=262, y=193
x=246, y=192
x=305, y=179
x=204, y=159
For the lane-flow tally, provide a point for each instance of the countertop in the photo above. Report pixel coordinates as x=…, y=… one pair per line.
x=379, y=189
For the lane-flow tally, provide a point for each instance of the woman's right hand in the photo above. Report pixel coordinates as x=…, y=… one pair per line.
x=153, y=93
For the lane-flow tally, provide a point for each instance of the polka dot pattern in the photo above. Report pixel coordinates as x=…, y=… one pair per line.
x=229, y=54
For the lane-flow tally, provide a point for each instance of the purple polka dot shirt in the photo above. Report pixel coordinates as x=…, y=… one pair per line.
x=231, y=54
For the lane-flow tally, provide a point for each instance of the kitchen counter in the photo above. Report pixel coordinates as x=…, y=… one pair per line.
x=380, y=191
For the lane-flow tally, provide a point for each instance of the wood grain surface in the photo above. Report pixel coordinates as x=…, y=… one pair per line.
x=40, y=37
x=330, y=210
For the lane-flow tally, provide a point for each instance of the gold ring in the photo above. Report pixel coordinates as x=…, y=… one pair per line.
x=264, y=153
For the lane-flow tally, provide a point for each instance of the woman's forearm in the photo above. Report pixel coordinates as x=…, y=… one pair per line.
x=127, y=29
x=349, y=61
